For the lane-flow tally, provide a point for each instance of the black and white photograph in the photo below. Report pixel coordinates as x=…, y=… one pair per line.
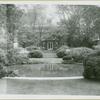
x=50, y=49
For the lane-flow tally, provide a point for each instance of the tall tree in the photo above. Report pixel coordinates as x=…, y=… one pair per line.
x=32, y=27
x=3, y=42
x=13, y=15
x=79, y=23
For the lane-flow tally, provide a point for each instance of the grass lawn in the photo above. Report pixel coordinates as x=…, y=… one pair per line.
x=48, y=70
x=46, y=60
x=53, y=87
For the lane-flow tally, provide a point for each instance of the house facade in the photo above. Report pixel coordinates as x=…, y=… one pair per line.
x=52, y=43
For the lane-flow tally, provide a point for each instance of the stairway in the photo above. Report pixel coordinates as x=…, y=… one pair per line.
x=49, y=54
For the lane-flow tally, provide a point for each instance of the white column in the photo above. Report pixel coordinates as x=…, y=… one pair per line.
x=52, y=45
x=47, y=45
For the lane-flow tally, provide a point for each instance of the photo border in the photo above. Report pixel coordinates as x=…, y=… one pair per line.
x=50, y=97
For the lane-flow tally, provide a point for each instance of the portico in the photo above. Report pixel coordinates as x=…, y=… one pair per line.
x=49, y=44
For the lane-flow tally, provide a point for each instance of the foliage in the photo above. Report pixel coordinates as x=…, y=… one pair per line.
x=3, y=62
x=34, y=61
x=92, y=66
x=61, y=53
x=32, y=26
x=13, y=15
x=21, y=51
x=2, y=71
x=67, y=57
x=97, y=47
x=20, y=59
x=11, y=74
x=79, y=53
x=64, y=47
x=26, y=37
x=3, y=13
x=31, y=48
x=67, y=60
x=35, y=54
x=80, y=23
x=3, y=58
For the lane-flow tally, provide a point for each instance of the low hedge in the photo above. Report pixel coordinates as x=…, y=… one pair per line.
x=79, y=53
x=92, y=66
x=35, y=54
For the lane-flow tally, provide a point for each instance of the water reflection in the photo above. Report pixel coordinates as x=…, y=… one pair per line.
x=52, y=67
x=48, y=70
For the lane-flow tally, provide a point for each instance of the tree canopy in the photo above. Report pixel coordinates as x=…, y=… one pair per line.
x=81, y=23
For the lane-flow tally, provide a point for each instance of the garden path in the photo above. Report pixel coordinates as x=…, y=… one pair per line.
x=49, y=57
x=49, y=54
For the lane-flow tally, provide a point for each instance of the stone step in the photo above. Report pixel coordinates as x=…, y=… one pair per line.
x=49, y=55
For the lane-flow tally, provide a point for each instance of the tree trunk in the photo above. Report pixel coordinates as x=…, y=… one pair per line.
x=10, y=33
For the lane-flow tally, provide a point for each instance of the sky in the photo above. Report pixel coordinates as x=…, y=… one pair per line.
x=50, y=11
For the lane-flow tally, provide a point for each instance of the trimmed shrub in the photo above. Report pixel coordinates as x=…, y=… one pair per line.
x=78, y=54
x=61, y=54
x=92, y=66
x=35, y=54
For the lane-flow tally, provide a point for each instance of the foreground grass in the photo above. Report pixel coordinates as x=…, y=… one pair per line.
x=3, y=86
x=53, y=87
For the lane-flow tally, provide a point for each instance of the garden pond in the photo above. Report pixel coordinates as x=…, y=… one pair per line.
x=47, y=70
